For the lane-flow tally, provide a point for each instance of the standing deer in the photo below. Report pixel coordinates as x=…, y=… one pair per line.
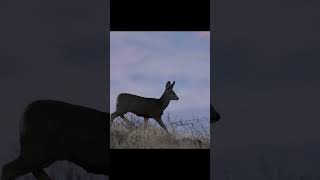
x=214, y=115
x=55, y=130
x=145, y=107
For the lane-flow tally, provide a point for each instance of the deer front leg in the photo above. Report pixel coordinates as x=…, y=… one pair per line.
x=159, y=120
x=146, y=123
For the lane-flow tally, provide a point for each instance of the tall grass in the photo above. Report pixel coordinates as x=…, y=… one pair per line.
x=184, y=134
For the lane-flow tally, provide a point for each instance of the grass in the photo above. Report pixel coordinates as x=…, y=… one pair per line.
x=184, y=134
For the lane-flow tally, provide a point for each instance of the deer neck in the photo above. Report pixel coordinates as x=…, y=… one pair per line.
x=164, y=101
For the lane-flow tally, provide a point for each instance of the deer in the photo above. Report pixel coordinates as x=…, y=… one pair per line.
x=214, y=115
x=55, y=130
x=145, y=107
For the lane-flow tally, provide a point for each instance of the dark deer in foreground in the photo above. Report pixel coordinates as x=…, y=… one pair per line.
x=145, y=107
x=54, y=130
x=214, y=115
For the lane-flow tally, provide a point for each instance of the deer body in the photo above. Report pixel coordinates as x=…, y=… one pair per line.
x=145, y=107
x=55, y=130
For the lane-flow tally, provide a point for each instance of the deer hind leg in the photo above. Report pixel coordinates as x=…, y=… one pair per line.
x=114, y=115
x=20, y=167
x=159, y=120
x=127, y=121
x=146, y=123
x=40, y=174
x=15, y=169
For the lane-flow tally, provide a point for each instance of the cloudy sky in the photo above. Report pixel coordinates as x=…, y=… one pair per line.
x=142, y=62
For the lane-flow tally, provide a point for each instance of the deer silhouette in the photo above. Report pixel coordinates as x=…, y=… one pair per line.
x=55, y=130
x=214, y=115
x=145, y=107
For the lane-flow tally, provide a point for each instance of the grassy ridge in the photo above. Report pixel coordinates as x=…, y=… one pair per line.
x=184, y=134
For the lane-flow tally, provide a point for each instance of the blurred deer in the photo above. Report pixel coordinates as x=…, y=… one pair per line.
x=55, y=130
x=214, y=115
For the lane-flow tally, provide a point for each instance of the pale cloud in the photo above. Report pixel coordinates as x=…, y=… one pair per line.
x=142, y=62
x=204, y=34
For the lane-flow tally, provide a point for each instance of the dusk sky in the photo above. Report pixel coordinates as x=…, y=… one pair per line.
x=142, y=62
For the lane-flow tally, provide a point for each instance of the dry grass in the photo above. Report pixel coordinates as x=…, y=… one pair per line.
x=184, y=134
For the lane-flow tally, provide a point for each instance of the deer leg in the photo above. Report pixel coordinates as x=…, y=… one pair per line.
x=114, y=115
x=146, y=123
x=14, y=169
x=126, y=120
x=40, y=174
x=20, y=167
x=159, y=120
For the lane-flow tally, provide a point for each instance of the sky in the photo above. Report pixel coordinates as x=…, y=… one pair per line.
x=142, y=62
x=266, y=86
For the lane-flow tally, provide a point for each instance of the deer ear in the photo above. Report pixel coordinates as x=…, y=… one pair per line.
x=168, y=85
x=172, y=84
